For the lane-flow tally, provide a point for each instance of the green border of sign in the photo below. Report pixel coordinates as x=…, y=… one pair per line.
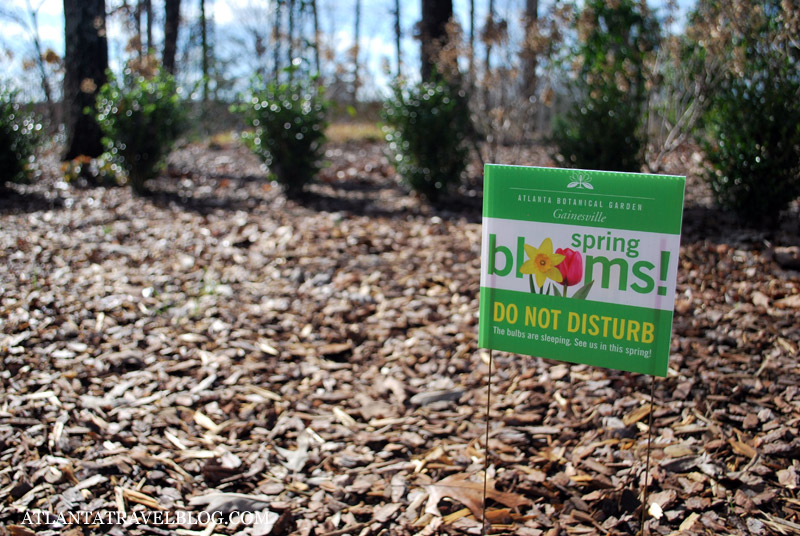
x=597, y=327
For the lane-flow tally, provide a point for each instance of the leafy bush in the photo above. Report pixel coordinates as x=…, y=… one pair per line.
x=752, y=145
x=426, y=127
x=288, y=121
x=140, y=118
x=750, y=126
x=605, y=127
x=19, y=136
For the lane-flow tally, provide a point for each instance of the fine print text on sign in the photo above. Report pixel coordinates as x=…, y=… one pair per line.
x=580, y=266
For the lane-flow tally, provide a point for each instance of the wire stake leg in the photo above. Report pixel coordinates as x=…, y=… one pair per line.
x=486, y=444
x=646, y=494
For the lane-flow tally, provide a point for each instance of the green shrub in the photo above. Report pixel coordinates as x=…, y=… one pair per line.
x=600, y=135
x=426, y=126
x=288, y=128
x=19, y=136
x=752, y=144
x=604, y=128
x=140, y=118
x=750, y=126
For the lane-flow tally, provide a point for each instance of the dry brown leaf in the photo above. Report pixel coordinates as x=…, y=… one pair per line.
x=499, y=516
x=470, y=494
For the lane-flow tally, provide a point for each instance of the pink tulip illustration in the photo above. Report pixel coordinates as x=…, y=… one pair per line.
x=571, y=267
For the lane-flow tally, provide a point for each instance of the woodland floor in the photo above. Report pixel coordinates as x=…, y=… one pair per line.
x=216, y=347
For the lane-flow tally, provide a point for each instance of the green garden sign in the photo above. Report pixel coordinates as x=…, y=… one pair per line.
x=580, y=266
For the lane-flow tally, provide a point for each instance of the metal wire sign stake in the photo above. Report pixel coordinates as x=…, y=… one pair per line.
x=485, y=521
x=580, y=266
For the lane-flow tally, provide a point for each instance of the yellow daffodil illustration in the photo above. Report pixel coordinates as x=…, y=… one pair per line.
x=542, y=263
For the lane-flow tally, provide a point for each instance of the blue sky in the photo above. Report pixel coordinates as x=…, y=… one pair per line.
x=336, y=16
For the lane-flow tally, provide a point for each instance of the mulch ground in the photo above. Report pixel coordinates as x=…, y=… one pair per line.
x=215, y=347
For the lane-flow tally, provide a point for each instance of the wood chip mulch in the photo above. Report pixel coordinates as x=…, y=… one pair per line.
x=215, y=347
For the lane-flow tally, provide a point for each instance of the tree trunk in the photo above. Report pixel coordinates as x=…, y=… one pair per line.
x=397, y=37
x=529, y=65
x=52, y=110
x=471, y=43
x=290, y=40
x=276, y=37
x=290, y=29
x=204, y=50
x=137, y=17
x=148, y=10
x=317, y=65
x=489, y=32
x=85, y=62
x=172, y=17
x=433, y=33
x=356, y=54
